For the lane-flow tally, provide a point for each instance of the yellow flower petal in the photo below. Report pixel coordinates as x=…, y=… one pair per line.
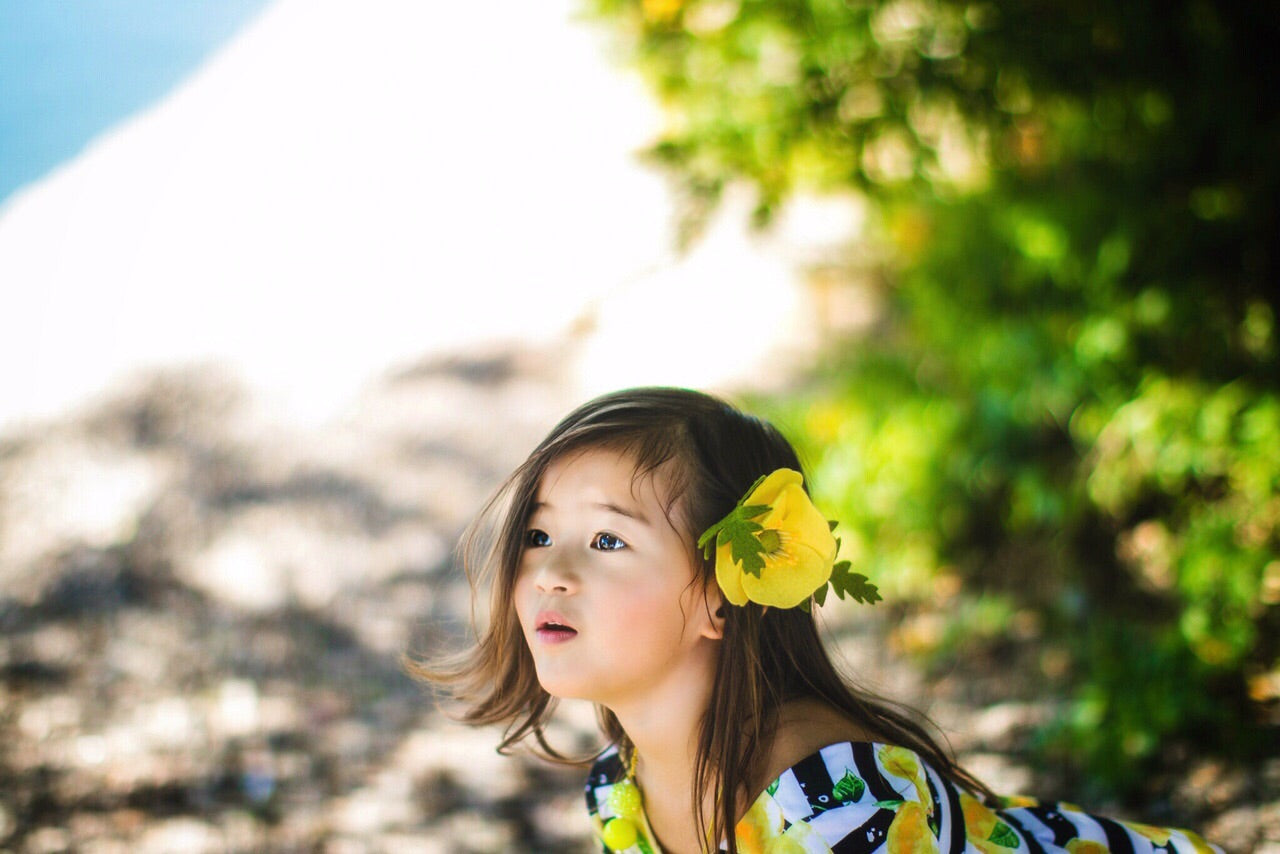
x=783, y=585
x=794, y=514
x=729, y=576
x=801, y=564
x=772, y=485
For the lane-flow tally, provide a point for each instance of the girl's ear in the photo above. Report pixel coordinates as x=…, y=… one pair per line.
x=714, y=606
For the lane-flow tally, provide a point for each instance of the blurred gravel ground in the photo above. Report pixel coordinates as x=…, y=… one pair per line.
x=203, y=618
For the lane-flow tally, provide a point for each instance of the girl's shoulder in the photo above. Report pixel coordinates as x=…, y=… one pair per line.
x=804, y=728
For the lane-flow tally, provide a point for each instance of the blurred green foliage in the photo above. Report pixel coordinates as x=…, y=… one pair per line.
x=1069, y=407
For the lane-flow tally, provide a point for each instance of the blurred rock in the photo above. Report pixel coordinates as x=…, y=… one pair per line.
x=180, y=834
x=70, y=490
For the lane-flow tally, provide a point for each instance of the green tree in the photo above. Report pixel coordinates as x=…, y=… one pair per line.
x=1072, y=400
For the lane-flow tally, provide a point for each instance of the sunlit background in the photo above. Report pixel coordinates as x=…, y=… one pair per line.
x=288, y=286
x=307, y=194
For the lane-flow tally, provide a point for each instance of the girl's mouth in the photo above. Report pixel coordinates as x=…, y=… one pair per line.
x=555, y=630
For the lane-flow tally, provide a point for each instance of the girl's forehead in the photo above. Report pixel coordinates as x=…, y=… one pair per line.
x=605, y=474
x=598, y=469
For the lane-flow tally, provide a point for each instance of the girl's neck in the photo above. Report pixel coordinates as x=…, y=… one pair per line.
x=664, y=736
x=666, y=742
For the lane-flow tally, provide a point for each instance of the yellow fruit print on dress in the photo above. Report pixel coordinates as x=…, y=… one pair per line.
x=910, y=832
x=984, y=829
x=903, y=763
x=761, y=831
x=1086, y=846
x=762, y=824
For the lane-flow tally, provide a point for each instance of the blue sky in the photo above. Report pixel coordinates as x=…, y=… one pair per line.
x=71, y=69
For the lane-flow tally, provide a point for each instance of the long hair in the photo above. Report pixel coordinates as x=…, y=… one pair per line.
x=710, y=454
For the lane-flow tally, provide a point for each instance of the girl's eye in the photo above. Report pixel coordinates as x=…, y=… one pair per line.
x=607, y=542
x=537, y=539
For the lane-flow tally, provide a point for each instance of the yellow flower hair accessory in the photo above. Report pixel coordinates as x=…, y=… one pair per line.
x=775, y=548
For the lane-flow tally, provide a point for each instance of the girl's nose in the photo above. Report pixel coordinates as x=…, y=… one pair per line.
x=553, y=576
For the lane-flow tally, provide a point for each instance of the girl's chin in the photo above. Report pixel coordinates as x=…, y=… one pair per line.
x=561, y=687
x=567, y=687
x=561, y=692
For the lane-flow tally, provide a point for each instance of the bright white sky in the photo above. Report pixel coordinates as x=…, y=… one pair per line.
x=351, y=185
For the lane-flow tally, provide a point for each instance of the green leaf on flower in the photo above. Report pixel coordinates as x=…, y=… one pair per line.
x=820, y=595
x=736, y=513
x=752, y=488
x=853, y=584
x=1004, y=836
x=850, y=787
x=739, y=533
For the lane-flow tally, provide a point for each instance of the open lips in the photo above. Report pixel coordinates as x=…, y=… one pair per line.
x=554, y=628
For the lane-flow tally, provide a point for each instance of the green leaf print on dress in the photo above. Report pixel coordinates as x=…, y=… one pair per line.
x=850, y=787
x=1003, y=835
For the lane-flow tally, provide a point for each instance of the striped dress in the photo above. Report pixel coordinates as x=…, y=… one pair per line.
x=863, y=797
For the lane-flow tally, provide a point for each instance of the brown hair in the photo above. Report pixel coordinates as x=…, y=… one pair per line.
x=766, y=658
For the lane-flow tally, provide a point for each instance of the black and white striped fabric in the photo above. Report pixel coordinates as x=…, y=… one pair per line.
x=864, y=797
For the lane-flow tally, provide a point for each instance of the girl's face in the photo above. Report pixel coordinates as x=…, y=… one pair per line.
x=604, y=591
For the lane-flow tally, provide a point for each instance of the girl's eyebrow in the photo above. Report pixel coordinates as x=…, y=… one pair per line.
x=623, y=511
x=628, y=512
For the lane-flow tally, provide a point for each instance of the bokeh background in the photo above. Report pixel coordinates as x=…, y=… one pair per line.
x=290, y=285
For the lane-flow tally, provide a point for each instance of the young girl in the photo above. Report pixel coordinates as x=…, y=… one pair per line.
x=657, y=554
